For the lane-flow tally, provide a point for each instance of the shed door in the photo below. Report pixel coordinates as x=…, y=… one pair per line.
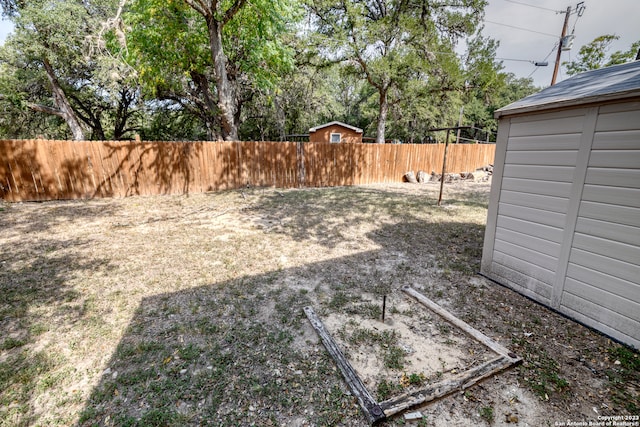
x=602, y=285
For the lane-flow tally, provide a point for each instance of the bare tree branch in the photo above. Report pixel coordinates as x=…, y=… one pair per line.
x=231, y=12
x=201, y=7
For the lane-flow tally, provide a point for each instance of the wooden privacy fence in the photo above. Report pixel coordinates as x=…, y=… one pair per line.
x=46, y=170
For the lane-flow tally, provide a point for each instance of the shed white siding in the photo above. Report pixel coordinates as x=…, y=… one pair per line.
x=540, y=160
x=602, y=285
x=564, y=214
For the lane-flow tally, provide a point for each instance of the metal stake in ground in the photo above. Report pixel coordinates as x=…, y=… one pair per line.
x=384, y=306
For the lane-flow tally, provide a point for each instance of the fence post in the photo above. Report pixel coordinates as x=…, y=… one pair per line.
x=300, y=160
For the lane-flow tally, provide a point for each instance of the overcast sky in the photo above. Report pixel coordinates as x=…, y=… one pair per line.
x=619, y=17
x=537, y=30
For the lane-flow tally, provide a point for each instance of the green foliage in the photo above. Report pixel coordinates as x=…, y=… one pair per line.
x=386, y=389
x=486, y=412
x=394, y=357
x=256, y=41
x=593, y=55
x=541, y=372
x=386, y=67
x=67, y=35
x=170, y=47
x=167, y=41
x=11, y=342
x=396, y=46
x=625, y=370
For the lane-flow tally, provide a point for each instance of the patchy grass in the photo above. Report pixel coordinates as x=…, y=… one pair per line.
x=184, y=310
x=387, y=389
x=486, y=413
x=623, y=378
x=541, y=372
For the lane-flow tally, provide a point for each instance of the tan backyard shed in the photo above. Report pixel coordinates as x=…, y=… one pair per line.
x=564, y=214
x=335, y=132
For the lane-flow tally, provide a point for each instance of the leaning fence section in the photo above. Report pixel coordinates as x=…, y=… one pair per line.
x=47, y=170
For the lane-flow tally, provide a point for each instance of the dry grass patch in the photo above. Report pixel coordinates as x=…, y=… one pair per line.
x=187, y=310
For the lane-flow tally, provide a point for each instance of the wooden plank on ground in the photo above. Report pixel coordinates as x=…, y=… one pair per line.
x=474, y=333
x=379, y=411
x=371, y=409
x=444, y=388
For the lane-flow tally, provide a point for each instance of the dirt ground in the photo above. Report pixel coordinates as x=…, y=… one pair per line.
x=187, y=310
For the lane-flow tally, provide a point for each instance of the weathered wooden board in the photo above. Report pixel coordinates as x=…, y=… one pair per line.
x=369, y=406
x=379, y=411
x=444, y=388
x=472, y=332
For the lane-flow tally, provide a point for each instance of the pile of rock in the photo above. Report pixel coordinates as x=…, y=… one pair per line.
x=479, y=175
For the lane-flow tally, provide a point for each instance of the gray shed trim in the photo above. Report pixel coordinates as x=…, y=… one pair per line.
x=611, y=83
x=564, y=213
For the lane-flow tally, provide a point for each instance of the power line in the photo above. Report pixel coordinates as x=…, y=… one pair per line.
x=545, y=58
x=518, y=60
x=555, y=36
x=534, y=6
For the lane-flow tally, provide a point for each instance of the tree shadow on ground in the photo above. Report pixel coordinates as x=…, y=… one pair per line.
x=241, y=352
x=36, y=301
x=326, y=215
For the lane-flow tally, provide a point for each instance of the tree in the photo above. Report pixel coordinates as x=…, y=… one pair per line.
x=167, y=45
x=51, y=68
x=216, y=17
x=390, y=43
x=36, y=28
x=484, y=83
x=593, y=55
x=211, y=56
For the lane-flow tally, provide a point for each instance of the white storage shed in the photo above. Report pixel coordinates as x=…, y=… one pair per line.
x=564, y=214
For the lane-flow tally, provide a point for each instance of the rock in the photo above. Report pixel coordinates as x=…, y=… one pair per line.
x=478, y=176
x=422, y=177
x=488, y=169
x=511, y=418
x=410, y=177
x=413, y=416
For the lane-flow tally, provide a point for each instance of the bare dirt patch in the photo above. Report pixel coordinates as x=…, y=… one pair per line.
x=187, y=310
x=411, y=348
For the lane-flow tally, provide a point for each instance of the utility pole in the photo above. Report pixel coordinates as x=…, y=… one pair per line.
x=564, y=33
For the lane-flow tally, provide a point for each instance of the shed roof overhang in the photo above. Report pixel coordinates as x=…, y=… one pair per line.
x=617, y=82
x=353, y=128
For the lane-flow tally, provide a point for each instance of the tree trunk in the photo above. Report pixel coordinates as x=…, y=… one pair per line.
x=208, y=107
x=382, y=115
x=62, y=103
x=227, y=101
